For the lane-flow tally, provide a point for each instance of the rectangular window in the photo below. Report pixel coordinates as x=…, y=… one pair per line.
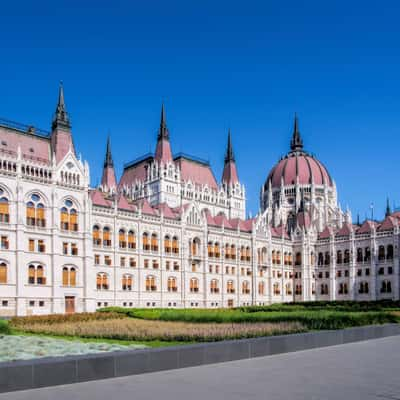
x=390, y=270
x=65, y=248
x=31, y=245
x=167, y=265
x=107, y=260
x=122, y=261
x=4, y=303
x=96, y=259
x=4, y=243
x=366, y=271
x=359, y=271
x=41, y=246
x=146, y=263
x=74, y=249
x=132, y=262
x=176, y=266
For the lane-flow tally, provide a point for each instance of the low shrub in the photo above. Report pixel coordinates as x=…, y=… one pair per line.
x=142, y=330
x=20, y=322
x=4, y=327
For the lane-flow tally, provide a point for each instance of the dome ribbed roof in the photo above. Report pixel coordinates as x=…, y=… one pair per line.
x=299, y=165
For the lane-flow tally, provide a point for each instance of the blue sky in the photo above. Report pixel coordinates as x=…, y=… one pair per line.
x=216, y=64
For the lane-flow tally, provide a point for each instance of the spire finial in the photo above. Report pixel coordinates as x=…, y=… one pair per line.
x=229, y=156
x=108, y=161
x=296, y=143
x=163, y=131
x=358, y=218
x=388, y=211
x=61, y=118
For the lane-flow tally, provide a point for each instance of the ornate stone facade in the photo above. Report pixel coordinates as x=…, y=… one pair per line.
x=168, y=234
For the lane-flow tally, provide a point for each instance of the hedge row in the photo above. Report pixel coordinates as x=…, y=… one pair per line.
x=4, y=327
x=312, y=319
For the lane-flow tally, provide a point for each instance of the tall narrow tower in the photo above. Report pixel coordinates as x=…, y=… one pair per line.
x=108, y=180
x=230, y=183
x=61, y=137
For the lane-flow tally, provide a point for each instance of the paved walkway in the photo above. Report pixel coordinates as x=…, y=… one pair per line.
x=364, y=370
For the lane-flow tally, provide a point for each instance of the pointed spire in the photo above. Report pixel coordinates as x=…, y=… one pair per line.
x=163, y=131
x=61, y=118
x=358, y=218
x=230, y=175
x=388, y=211
x=229, y=156
x=296, y=143
x=108, y=180
x=163, y=149
x=108, y=161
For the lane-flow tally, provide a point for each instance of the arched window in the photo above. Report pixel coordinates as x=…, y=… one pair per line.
x=381, y=253
x=367, y=254
x=324, y=289
x=3, y=272
x=230, y=287
x=389, y=252
x=261, y=288
x=167, y=244
x=69, y=276
x=36, y=274
x=122, y=239
x=102, y=281
x=35, y=212
x=278, y=257
x=4, y=208
x=154, y=242
x=359, y=255
x=175, y=245
x=227, y=251
x=106, y=237
x=127, y=282
x=363, y=288
x=339, y=257
x=273, y=257
x=288, y=289
x=320, y=259
x=146, y=241
x=242, y=253
x=151, y=283
x=276, y=289
x=96, y=235
x=195, y=247
x=346, y=258
x=172, y=287
x=386, y=286
x=245, y=287
x=290, y=259
x=210, y=249
x=327, y=258
x=298, y=290
x=233, y=252
x=214, y=286
x=298, y=258
x=194, y=285
x=131, y=240
x=248, y=254
x=69, y=217
x=217, y=250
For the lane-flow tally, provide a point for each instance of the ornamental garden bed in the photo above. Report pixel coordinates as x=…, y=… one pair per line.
x=116, y=328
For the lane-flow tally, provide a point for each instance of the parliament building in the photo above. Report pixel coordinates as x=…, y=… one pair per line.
x=169, y=234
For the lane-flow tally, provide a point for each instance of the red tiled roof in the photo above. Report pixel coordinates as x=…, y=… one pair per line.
x=27, y=142
x=98, y=199
x=388, y=223
x=230, y=175
x=344, y=231
x=199, y=173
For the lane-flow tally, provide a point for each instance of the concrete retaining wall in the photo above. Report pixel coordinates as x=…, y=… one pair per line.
x=20, y=375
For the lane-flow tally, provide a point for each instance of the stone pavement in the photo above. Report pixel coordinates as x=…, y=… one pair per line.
x=362, y=370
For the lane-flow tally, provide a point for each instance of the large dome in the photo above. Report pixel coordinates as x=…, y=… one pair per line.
x=298, y=166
